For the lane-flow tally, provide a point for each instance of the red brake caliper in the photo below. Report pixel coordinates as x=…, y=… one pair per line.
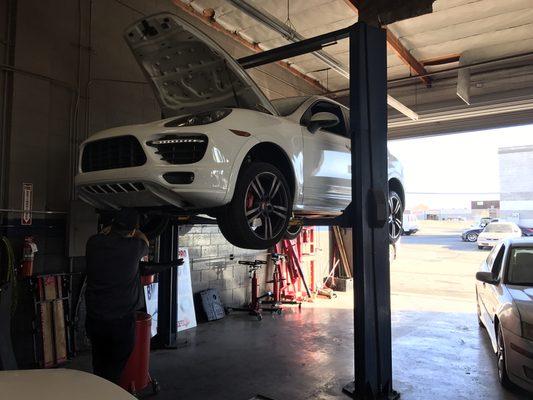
x=249, y=200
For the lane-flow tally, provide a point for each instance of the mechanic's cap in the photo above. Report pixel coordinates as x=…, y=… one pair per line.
x=127, y=219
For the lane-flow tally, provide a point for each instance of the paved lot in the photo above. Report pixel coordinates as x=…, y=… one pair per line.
x=439, y=351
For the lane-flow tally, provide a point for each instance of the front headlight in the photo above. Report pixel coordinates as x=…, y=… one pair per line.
x=527, y=330
x=203, y=118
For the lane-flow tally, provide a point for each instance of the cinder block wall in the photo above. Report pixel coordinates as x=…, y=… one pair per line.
x=214, y=264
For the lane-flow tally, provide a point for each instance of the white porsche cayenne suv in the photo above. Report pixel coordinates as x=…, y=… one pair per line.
x=257, y=166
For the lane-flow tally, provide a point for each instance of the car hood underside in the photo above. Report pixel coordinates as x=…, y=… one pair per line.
x=188, y=71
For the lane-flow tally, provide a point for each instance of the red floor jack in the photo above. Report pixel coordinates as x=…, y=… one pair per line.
x=255, y=306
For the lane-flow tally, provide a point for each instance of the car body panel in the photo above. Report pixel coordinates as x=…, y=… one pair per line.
x=187, y=69
x=507, y=305
x=216, y=173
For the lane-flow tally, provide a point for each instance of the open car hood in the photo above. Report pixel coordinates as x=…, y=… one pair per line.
x=188, y=71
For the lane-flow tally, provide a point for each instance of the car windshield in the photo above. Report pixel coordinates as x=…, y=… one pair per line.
x=521, y=266
x=498, y=228
x=287, y=106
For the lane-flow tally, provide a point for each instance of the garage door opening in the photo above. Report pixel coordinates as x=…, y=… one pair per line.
x=455, y=185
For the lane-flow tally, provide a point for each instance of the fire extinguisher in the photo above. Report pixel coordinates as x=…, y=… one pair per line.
x=28, y=255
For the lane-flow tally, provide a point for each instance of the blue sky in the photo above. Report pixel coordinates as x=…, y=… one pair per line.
x=458, y=163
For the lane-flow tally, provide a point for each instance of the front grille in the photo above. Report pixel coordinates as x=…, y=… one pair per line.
x=118, y=152
x=123, y=187
x=176, y=149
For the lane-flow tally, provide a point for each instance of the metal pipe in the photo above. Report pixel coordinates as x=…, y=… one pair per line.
x=292, y=36
x=17, y=211
x=461, y=67
x=7, y=100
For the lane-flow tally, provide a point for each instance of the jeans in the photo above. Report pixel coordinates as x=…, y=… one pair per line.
x=112, y=344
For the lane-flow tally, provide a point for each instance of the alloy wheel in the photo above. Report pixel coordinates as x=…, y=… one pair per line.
x=471, y=237
x=395, y=216
x=266, y=205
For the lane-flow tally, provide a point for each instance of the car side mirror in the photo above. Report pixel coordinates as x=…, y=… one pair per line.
x=487, y=277
x=322, y=120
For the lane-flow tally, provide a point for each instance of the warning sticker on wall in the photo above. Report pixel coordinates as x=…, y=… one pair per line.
x=27, y=204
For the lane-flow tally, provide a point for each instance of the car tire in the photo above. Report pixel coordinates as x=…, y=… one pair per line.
x=292, y=232
x=471, y=237
x=503, y=377
x=258, y=215
x=395, y=220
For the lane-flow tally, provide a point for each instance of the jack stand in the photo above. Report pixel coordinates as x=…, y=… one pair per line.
x=277, y=282
x=255, y=306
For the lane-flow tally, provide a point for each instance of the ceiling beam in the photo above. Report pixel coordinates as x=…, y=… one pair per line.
x=407, y=58
x=394, y=43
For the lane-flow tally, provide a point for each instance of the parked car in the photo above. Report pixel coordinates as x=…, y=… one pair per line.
x=471, y=234
x=526, y=231
x=504, y=292
x=496, y=231
x=410, y=224
x=227, y=151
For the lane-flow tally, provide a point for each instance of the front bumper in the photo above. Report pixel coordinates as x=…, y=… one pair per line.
x=487, y=242
x=211, y=186
x=519, y=360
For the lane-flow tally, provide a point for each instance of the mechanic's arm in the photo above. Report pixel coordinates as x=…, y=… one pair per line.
x=138, y=234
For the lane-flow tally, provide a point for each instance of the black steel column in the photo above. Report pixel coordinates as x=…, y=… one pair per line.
x=368, y=117
x=167, y=301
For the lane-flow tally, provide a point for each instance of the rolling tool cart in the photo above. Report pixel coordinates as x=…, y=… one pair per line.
x=136, y=376
x=254, y=308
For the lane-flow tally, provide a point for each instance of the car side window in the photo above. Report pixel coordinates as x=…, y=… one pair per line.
x=324, y=106
x=498, y=261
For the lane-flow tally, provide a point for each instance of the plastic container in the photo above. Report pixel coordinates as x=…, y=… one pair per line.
x=147, y=279
x=136, y=376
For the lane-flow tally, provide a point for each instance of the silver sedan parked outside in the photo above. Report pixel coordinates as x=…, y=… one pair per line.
x=504, y=291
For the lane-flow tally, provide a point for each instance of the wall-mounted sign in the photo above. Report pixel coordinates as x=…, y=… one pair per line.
x=27, y=204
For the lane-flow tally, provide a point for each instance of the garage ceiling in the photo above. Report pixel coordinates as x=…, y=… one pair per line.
x=457, y=46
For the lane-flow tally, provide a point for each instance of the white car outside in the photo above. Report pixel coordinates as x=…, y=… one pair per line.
x=496, y=231
x=504, y=293
x=227, y=151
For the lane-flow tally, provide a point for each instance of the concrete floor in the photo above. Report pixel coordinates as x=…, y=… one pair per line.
x=439, y=352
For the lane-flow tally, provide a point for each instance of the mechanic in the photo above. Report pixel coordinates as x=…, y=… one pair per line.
x=114, y=292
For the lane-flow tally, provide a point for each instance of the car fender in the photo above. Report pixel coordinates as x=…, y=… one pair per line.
x=237, y=163
x=264, y=128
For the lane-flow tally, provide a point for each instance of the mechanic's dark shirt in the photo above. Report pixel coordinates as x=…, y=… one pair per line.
x=113, y=277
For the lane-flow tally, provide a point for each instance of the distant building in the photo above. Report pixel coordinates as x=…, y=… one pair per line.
x=485, y=208
x=516, y=184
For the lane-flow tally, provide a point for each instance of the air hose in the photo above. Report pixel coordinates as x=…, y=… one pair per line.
x=7, y=269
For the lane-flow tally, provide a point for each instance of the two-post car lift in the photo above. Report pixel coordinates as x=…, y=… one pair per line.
x=366, y=215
